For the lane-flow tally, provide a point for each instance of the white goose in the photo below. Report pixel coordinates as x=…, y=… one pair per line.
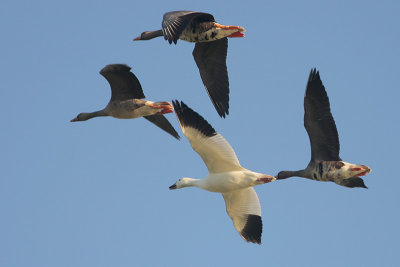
x=226, y=175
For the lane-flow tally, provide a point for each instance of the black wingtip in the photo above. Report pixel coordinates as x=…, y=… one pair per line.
x=222, y=111
x=354, y=182
x=115, y=68
x=176, y=135
x=314, y=75
x=189, y=118
x=162, y=122
x=252, y=231
x=314, y=84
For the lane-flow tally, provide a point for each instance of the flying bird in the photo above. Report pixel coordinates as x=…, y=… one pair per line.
x=325, y=164
x=127, y=100
x=209, y=52
x=226, y=175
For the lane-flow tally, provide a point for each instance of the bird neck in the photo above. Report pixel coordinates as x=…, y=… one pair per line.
x=87, y=116
x=151, y=34
x=287, y=174
x=191, y=182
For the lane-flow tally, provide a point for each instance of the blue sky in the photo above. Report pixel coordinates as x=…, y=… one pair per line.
x=96, y=193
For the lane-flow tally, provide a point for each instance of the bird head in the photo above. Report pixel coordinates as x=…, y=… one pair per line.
x=81, y=117
x=183, y=182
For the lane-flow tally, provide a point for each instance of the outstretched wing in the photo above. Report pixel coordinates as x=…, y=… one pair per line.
x=175, y=22
x=210, y=58
x=244, y=209
x=163, y=123
x=318, y=121
x=212, y=147
x=124, y=84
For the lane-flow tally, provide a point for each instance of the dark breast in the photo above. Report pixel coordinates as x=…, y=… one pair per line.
x=324, y=170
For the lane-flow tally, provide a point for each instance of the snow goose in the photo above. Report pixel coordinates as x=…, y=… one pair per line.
x=126, y=100
x=325, y=164
x=209, y=52
x=226, y=175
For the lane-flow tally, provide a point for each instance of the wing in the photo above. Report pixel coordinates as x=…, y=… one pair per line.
x=176, y=21
x=163, y=123
x=351, y=182
x=210, y=58
x=124, y=84
x=244, y=209
x=318, y=121
x=212, y=147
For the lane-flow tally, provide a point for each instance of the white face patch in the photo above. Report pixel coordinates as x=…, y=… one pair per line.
x=349, y=170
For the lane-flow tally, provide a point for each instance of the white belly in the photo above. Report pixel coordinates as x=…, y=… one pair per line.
x=229, y=181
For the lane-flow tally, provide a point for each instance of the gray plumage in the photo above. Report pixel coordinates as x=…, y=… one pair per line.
x=124, y=84
x=126, y=100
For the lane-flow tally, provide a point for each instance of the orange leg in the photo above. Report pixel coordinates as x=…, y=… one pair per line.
x=229, y=27
x=365, y=170
x=236, y=34
x=165, y=107
x=361, y=174
x=265, y=179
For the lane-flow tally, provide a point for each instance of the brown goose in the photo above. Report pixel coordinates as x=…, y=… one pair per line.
x=325, y=164
x=209, y=52
x=126, y=100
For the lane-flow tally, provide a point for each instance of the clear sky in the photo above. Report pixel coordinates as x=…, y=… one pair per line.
x=96, y=193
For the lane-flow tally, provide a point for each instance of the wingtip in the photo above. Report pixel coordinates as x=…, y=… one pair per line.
x=252, y=241
x=179, y=105
x=314, y=81
x=222, y=113
x=187, y=117
x=314, y=74
x=252, y=231
x=176, y=105
x=114, y=68
x=222, y=110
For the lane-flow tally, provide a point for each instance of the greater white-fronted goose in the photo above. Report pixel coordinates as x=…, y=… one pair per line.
x=325, y=164
x=127, y=100
x=226, y=175
x=209, y=52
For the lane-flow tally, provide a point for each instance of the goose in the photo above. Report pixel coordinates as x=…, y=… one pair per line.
x=325, y=164
x=209, y=52
x=226, y=175
x=127, y=100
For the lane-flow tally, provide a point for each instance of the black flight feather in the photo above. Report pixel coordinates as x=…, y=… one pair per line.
x=189, y=118
x=124, y=84
x=319, y=122
x=252, y=231
x=210, y=58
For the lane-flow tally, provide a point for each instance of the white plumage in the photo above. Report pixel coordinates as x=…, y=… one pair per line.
x=226, y=175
